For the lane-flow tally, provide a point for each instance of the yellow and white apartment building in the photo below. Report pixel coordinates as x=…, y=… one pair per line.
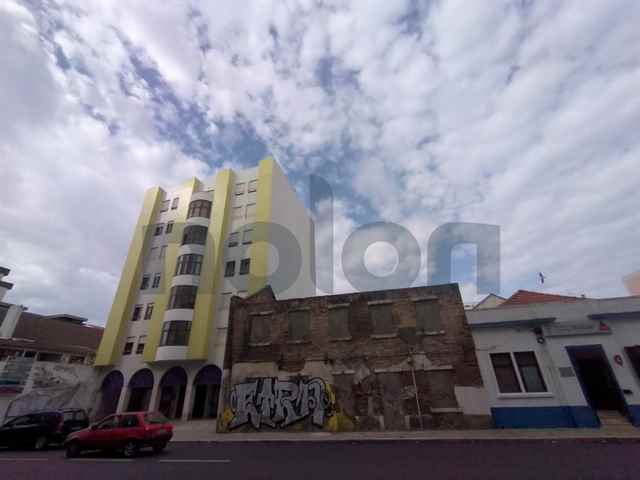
x=194, y=247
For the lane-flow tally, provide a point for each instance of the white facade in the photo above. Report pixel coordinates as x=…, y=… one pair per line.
x=587, y=355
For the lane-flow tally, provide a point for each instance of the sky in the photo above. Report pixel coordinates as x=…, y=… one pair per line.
x=522, y=114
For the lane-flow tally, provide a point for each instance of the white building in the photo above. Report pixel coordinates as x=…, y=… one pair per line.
x=193, y=248
x=552, y=361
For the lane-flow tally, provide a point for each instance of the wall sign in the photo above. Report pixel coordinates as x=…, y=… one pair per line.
x=565, y=329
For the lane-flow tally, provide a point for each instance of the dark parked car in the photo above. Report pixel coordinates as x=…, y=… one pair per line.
x=40, y=429
x=128, y=432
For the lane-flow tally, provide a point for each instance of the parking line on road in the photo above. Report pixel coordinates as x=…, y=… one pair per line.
x=195, y=460
x=112, y=460
x=25, y=459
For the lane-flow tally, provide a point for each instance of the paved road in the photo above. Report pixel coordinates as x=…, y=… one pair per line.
x=332, y=461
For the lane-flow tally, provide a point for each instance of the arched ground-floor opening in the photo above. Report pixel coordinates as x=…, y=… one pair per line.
x=110, y=393
x=173, y=387
x=140, y=387
x=206, y=390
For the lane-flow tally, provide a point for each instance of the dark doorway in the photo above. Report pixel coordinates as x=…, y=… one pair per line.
x=172, y=392
x=140, y=387
x=596, y=378
x=206, y=392
x=110, y=393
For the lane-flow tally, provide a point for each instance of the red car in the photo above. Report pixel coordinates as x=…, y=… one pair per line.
x=128, y=432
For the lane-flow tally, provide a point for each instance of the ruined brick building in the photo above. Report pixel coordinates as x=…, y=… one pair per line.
x=352, y=362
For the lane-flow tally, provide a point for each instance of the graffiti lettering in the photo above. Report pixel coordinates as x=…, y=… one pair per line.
x=279, y=403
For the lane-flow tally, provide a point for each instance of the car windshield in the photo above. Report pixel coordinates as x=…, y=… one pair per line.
x=155, y=418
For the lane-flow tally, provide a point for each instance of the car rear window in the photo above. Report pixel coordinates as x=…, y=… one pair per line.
x=155, y=418
x=49, y=417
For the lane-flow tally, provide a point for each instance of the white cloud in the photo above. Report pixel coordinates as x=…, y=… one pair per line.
x=522, y=114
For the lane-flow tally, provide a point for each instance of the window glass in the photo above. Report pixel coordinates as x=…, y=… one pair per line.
x=145, y=282
x=505, y=373
x=137, y=311
x=169, y=227
x=230, y=269
x=245, y=265
x=428, y=316
x=109, y=422
x=247, y=236
x=175, y=332
x=253, y=186
x=233, y=239
x=174, y=204
x=382, y=319
x=194, y=234
x=183, y=296
x=239, y=188
x=189, y=264
x=155, y=417
x=164, y=206
x=299, y=325
x=128, y=421
x=199, y=208
x=530, y=372
x=148, y=313
x=158, y=229
x=339, y=322
x=128, y=347
x=141, y=342
x=156, y=280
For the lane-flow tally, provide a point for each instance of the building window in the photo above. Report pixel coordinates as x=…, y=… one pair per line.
x=382, y=319
x=253, y=186
x=260, y=329
x=237, y=212
x=239, y=188
x=245, y=266
x=230, y=268
x=29, y=354
x=189, y=264
x=169, y=227
x=145, y=282
x=194, y=235
x=199, y=208
x=233, y=239
x=428, y=318
x=339, y=323
x=299, y=325
x=137, y=311
x=175, y=333
x=528, y=378
x=158, y=229
x=128, y=346
x=164, y=206
x=174, y=204
x=251, y=210
x=153, y=253
x=163, y=251
x=247, y=236
x=76, y=359
x=183, y=296
x=142, y=339
x=148, y=313
x=49, y=357
x=156, y=280
x=530, y=373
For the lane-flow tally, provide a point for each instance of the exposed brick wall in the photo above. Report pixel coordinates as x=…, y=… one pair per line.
x=370, y=376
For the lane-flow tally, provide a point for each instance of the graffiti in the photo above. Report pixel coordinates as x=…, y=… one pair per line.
x=279, y=403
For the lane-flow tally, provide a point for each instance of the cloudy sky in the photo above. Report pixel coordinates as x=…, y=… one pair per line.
x=521, y=114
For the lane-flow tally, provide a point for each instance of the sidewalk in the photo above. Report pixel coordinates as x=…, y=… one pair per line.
x=203, y=431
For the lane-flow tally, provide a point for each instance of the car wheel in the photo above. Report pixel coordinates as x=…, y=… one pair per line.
x=130, y=449
x=158, y=448
x=41, y=443
x=73, y=449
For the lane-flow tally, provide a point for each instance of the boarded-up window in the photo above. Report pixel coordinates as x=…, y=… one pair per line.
x=382, y=319
x=339, y=323
x=299, y=325
x=260, y=329
x=428, y=316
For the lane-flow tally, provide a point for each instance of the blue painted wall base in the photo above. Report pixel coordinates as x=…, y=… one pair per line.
x=546, y=417
x=634, y=414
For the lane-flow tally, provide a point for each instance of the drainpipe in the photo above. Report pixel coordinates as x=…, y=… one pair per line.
x=415, y=387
